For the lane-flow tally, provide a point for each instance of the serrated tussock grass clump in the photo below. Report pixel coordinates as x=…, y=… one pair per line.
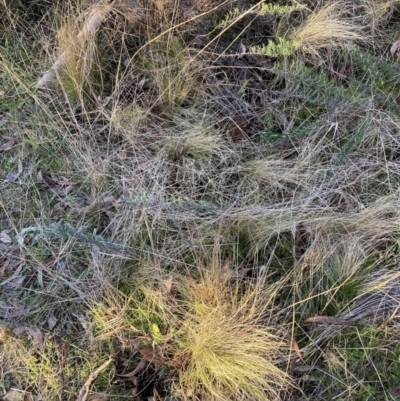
x=212, y=334
x=338, y=270
x=231, y=350
x=172, y=69
x=194, y=137
x=325, y=28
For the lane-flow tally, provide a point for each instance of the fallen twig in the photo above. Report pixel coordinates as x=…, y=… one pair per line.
x=85, y=388
x=97, y=16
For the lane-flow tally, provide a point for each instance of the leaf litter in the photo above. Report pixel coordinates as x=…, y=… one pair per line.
x=8, y=145
x=5, y=238
x=35, y=334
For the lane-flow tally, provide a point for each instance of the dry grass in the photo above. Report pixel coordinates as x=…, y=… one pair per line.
x=211, y=331
x=378, y=12
x=327, y=28
x=178, y=209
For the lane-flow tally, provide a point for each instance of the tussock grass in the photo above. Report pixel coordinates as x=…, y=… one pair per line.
x=204, y=197
x=327, y=28
x=211, y=331
x=172, y=69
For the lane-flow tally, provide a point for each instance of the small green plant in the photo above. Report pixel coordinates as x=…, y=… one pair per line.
x=269, y=8
x=354, y=140
x=318, y=88
x=228, y=19
x=275, y=48
x=376, y=75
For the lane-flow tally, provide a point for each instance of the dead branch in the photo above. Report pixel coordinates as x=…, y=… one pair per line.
x=85, y=388
x=96, y=17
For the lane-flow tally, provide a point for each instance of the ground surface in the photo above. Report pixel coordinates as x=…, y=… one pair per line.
x=199, y=200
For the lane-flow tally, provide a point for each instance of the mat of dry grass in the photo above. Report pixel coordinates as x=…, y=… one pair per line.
x=199, y=201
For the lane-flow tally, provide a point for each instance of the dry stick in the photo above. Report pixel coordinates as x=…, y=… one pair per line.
x=85, y=389
x=95, y=19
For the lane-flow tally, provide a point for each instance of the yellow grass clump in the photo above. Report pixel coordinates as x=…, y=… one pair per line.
x=327, y=27
x=215, y=335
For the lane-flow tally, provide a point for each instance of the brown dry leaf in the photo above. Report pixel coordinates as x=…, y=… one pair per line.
x=52, y=322
x=40, y=277
x=65, y=191
x=39, y=177
x=65, y=185
x=20, y=264
x=62, y=186
x=4, y=267
x=50, y=179
x=242, y=50
x=5, y=238
x=151, y=356
x=331, y=320
x=140, y=366
x=296, y=348
x=65, y=182
x=395, y=46
x=9, y=144
x=293, y=345
x=112, y=200
x=98, y=397
x=34, y=332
